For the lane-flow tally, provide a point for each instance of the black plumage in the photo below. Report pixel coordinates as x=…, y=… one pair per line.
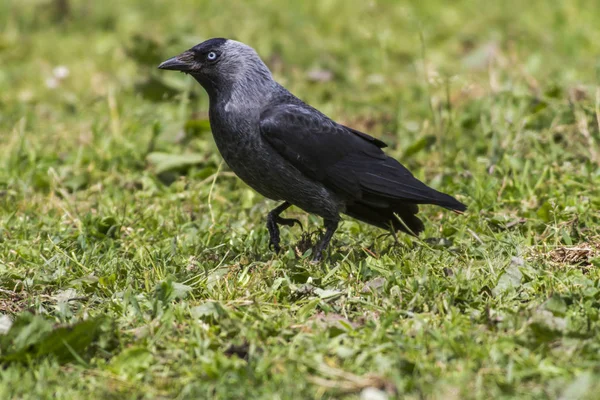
x=351, y=163
x=289, y=151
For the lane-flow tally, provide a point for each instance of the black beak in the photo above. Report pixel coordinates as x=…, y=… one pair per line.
x=175, y=64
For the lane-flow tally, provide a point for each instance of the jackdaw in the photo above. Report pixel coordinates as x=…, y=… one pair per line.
x=288, y=151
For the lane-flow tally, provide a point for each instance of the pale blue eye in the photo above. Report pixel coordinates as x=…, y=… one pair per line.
x=211, y=56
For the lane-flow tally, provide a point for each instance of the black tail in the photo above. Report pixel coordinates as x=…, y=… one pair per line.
x=389, y=191
x=388, y=217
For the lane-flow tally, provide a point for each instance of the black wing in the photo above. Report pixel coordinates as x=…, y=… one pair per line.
x=347, y=161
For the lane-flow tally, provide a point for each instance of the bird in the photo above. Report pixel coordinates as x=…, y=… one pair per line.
x=290, y=152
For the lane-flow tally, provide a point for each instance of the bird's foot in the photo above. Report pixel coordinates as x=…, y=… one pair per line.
x=330, y=227
x=273, y=234
x=273, y=222
x=317, y=258
x=274, y=244
x=288, y=222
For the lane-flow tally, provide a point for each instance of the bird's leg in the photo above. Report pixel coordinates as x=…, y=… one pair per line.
x=273, y=222
x=330, y=227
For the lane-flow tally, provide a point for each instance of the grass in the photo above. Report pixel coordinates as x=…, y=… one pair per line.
x=133, y=264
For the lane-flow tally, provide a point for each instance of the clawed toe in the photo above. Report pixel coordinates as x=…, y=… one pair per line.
x=274, y=246
x=273, y=220
x=317, y=258
x=290, y=222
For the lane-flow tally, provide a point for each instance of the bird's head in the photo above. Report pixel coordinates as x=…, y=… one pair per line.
x=219, y=63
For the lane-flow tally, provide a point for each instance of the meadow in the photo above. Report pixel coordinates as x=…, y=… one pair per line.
x=134, y=264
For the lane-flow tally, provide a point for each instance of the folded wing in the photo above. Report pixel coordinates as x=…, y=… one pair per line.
x=352, y=164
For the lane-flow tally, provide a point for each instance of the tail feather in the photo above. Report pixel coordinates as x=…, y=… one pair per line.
x=383, y=191
x=449, y=202
x=382, y=182
x=397, y=215
x=391, y=180
x=387, y=218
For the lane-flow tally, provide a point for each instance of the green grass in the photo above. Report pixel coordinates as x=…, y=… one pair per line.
x=134, y=264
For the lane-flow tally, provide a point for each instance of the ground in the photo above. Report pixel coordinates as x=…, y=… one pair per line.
x=134, y=264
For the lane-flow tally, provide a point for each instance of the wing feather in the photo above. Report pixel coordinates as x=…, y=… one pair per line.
x=345, y=160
